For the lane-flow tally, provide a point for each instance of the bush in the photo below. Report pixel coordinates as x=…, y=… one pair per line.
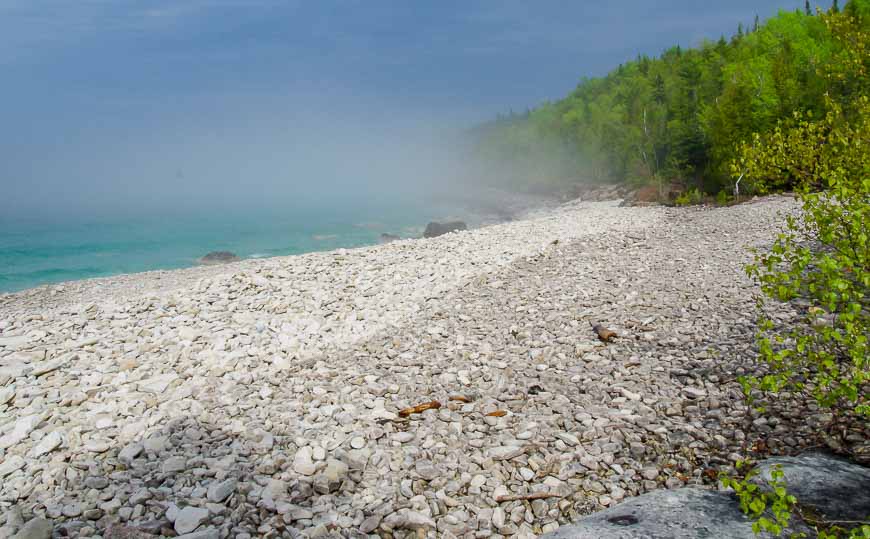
x=722, y=198
x=689, y=198
x=823, y=258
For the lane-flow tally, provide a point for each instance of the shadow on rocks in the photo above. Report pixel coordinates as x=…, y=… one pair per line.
x=188, y=479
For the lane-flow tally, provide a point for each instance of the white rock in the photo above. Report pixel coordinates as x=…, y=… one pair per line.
x=11, y=464
x=129, y=453
x=14, y=342
x=303, y=462
x=6, y=394
x=37, y=528
x=45, y=367
x=219, y=492
x=157, y=384
x=22, y=429
x=49, y=443
x=189, y=519
x=694, y=393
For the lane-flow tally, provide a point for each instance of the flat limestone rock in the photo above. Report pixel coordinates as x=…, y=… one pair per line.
x=684, y=513
x=836, y=488
x=14, y=342
x=37, y=528
x=157, y=384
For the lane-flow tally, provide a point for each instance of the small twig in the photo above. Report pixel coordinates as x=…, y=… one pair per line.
x=530, y=496
x=825, y=522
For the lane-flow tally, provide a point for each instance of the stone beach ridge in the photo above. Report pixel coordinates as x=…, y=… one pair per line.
x=262, y=398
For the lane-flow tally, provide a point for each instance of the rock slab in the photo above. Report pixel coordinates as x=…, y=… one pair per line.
x=685, y=513
x=835, y=488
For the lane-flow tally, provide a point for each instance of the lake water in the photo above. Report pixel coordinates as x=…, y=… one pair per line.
x=50, y=250
x=35, y=251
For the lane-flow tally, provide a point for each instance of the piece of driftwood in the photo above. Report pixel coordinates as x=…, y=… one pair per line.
x=530, y=496
x=604, y=334
x=497, y=413
x=420, y=408
x=460, y=398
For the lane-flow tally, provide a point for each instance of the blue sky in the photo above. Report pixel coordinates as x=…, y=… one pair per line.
x=117, y=101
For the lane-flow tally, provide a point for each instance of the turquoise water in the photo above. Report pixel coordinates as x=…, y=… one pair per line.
x=50, y=250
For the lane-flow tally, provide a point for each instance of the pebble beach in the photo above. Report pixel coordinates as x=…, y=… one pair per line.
x=272, y=397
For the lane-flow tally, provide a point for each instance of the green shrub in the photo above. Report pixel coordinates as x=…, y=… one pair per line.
x=822, y=259
x=689, y=198
x=763, y=503
x=722, y=198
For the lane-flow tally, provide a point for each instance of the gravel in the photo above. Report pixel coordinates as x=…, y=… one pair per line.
x=262, y=398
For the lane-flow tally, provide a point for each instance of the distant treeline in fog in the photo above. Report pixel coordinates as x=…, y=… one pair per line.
x=678, y=118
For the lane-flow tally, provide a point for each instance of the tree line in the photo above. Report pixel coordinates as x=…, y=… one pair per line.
x=679, y=119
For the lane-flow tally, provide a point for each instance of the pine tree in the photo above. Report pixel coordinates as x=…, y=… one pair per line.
x=836, y=7
x=755, y=24
x=740, y=30
x=807, y=8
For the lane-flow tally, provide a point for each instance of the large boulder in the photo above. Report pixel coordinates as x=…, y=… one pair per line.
x=833, y=488
x=218, y=257
x=685, y=513
x=434, y=229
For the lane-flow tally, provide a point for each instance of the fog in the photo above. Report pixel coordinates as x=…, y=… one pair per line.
x=235, y=153
x=115, y=108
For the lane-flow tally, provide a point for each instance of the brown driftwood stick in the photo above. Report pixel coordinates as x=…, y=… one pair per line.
x=530, y=496
x=604, y=334
x=420, y=408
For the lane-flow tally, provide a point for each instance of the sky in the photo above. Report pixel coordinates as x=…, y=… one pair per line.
x=129, y=103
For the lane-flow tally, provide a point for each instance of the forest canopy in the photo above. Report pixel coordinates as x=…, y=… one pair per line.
x=677, y=119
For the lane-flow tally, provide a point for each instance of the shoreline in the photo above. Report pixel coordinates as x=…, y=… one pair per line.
x=483, y=208
x=265, y=397
x=518, y=208
x=164, y=280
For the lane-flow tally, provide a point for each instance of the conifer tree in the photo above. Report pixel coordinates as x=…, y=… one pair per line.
x=807, y=8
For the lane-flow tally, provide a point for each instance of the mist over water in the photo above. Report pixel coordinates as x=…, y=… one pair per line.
x=230, y=153
x=241, y=178
x=139, y=136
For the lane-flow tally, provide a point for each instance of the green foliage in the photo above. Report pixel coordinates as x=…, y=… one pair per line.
x=837, y=532
x=823, y=256
x=822, y=259
x=770, y=505
x=722, y=198
x=680, y=117
x=691, y=197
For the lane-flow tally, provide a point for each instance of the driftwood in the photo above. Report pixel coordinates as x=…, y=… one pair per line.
x=460, y=398
x=420, y=408
x=530, y=496
x=604, y=334
x=497, y=413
